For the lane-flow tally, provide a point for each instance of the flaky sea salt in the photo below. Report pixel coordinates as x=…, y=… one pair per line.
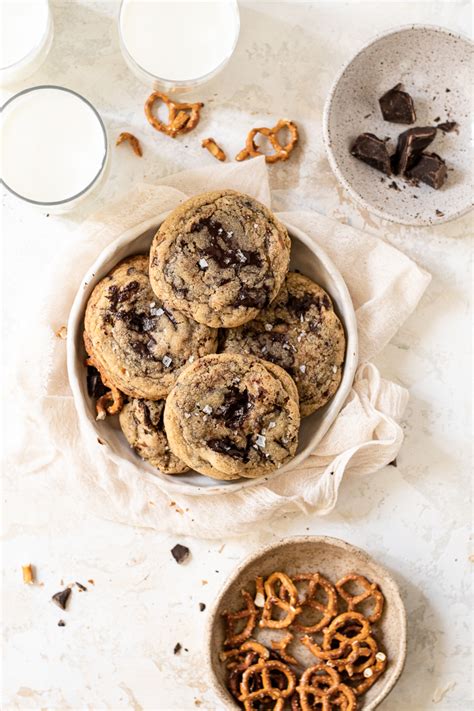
x=272, y=425
x=259, y=600
x=381, y=656
x=260, y=440
x=241, y=256
x=303, y=368
x=207, y=409
x=166, y=360
x=191, y=359
x=368, y=673
x=157, y=312
x=203, y=264
x=268, y=326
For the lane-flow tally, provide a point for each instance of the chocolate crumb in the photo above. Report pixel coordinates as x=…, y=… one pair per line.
x=81, y=587
x=61, y=623
x=393, y=185
x=439, y=213
x=393, y=463
x=202, y=606
x=177, y=648
x=367, y=116
x=437, y=119
x=448, y=90
x=448, y=126
x=61, y=598
x=180, y=553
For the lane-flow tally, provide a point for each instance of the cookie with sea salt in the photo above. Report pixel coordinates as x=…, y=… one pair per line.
x=301, y=333
x=220, y=257
x=142, y=424
x=231, y=416
x=138, y=343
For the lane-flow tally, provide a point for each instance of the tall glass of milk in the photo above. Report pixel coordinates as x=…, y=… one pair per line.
x=176, y=45
x=54, y=149
x=26, y=35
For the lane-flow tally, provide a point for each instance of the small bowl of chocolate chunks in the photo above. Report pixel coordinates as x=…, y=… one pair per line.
x=397, y=126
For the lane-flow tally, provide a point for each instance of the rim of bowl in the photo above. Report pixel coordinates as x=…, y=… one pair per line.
x=36, y=48
x=180, y=83
x=76, y=315
x=327, y=137
x=68, y=200
x=217, y=687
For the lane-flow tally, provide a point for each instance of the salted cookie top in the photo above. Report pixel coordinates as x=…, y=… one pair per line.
x=230, y=416
x=137, y=342
x=220, y=257
x=301, y=333
x=142, y=424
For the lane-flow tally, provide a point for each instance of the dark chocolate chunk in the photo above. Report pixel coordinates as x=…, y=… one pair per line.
x=202, y=606
x=393, y=463
x=180, y=553
x=448, y=126
x=430, y=169
x=61, y=598
x=439, y=213
x=409, y=147
x=177, y=648
x=251, y=297
x=61, y=623
x=81, y=587
x=226, y=446
x=373, y=151
x=437, y=119
x=234, y=408
x=397, y=106
x=95, y=386
x=223, y=248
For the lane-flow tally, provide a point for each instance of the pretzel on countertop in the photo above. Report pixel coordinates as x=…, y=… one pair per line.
x=281, y=152
x=214, y=149
x=370, y=590
x=133, y=140
x=286, y=599
x=182, y=117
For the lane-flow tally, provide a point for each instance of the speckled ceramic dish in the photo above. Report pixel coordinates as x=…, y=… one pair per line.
x=333, y=558
x=434, y=66
x=307, y=256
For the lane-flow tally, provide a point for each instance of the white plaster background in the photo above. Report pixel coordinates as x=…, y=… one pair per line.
x=116, y=651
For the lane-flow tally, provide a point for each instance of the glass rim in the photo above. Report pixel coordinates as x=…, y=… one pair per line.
x=104, y=133
x=182, y=83
x=36, y=48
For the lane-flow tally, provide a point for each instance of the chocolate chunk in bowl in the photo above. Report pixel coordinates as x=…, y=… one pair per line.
x=397, y=106
x=294, y=557
x=307, y=257
x=429, y=169
x=372, y=150
x=352, y=107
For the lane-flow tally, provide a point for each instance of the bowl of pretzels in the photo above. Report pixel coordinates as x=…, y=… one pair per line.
x=309, y=623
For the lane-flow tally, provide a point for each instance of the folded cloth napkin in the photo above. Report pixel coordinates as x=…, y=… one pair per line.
x=385, y=287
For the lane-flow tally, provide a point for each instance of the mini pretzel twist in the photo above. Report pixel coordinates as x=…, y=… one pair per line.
x=261, y=676
x=362, y=655
x=286, y=599
x=281, y=152
x=280, y=646
x=329, y=610
x=249, y=613
x=370, y=590
x=323, y=685
x=111, y=402
x=238, y=660
x=182, y=117
x=343, y=621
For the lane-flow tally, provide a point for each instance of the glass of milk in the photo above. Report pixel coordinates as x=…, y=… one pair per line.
x=176, y=45
x=26, y=35
x=54, y=149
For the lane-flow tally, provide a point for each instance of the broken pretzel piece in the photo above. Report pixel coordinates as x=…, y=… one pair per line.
x=133, y=140
x=182, y=117
x=281, y=152
x=214, y=149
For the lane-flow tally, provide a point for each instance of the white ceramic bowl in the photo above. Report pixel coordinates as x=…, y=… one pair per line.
x=307, y=256
x=428, y=61
x=333, y=558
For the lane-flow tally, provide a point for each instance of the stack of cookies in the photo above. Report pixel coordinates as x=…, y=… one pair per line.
x=208, y=348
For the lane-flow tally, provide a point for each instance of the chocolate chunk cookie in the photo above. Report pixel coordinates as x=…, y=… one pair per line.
x=230, y=416
x=137, y=342
x=301, y=333
x=219, y=257
x=142, y=424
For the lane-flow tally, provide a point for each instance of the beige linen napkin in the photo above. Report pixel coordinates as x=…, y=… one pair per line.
x=385, y=287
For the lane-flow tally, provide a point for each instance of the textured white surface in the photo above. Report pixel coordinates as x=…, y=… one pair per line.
x=116, y=650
